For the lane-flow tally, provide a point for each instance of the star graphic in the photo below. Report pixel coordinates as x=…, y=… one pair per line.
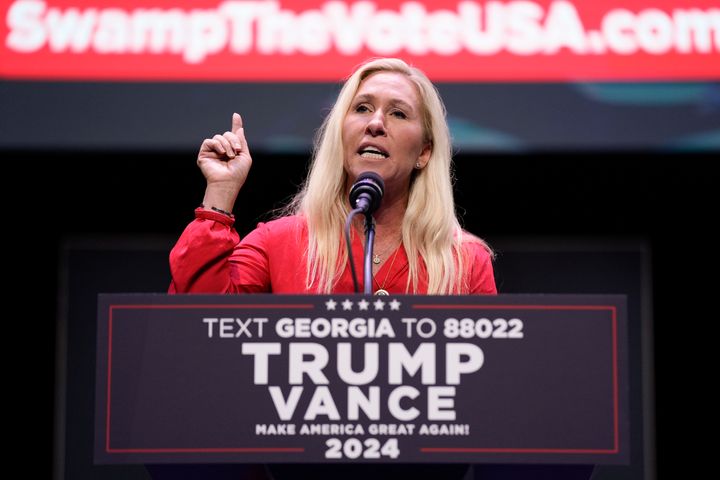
x=379, y=304
x=330, y=304
x=395, y=305
x=363, y=304
x=347, y=304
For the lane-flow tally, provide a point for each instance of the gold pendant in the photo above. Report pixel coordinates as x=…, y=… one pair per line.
x=376, y=259
x=381, y=292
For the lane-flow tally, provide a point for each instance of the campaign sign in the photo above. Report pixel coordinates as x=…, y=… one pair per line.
x=351, y=378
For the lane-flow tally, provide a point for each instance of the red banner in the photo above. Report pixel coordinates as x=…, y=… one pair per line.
x=316, y=40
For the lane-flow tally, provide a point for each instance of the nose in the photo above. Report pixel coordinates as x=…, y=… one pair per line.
x=376, y=124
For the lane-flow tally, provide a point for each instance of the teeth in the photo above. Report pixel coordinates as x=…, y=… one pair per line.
x=372, y=152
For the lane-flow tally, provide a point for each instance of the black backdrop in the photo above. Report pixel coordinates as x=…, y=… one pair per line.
x=668, y=199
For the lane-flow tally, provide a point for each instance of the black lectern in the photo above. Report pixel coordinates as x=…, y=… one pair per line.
x=349, y=378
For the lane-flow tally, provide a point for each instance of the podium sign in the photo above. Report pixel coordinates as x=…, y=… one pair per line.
x=350, y=378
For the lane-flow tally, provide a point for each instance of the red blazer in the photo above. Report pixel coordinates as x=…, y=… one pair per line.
x=209, y=257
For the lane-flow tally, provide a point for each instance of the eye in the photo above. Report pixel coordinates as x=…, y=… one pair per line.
x=399, y=114
x=362, y=108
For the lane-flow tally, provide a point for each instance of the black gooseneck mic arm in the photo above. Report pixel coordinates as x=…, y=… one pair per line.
x=348, y=242
x=369, y=243
x=365, y=197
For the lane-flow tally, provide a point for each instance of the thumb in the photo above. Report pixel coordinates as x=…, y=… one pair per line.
x=236, y=122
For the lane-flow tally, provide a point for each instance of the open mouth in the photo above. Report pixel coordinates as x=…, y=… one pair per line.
x=372, y=152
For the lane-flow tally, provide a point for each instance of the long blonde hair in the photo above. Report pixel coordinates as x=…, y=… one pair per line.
x=431, y=233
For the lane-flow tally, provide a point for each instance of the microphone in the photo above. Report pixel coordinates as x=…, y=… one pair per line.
x=367, y=192
x=365, y=197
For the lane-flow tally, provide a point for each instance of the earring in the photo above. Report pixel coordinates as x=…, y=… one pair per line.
x=417, y=165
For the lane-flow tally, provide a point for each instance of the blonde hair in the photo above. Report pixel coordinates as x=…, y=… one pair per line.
x=431, y=232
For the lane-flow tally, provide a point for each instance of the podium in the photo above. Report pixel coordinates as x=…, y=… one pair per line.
x=350, y=378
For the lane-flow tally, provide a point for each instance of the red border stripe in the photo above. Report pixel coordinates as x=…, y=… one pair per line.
x=108, y=449
x=616, y=419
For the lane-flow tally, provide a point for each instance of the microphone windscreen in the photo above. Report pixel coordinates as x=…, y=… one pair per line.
x=371, y=184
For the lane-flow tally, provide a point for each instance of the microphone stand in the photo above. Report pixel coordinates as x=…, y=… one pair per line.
x=369, y=242
x=365, y=197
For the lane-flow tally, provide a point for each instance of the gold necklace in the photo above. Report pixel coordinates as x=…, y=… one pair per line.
x=377, y=257
x=381, y=288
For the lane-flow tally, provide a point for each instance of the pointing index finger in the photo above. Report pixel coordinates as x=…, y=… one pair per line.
x=236, y=122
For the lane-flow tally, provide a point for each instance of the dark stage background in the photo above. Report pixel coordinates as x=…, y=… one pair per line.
x=566, y=164
x=668, y=200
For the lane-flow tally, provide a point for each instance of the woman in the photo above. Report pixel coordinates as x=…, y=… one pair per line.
x=388, y=119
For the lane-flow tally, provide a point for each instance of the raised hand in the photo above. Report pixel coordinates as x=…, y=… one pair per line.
x=225, y=162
